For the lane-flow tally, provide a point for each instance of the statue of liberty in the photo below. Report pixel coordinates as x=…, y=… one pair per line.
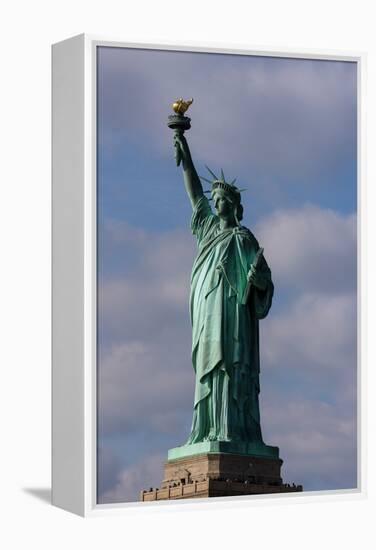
x=231, y=290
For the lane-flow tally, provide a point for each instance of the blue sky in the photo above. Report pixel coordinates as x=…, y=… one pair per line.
x=286, y=128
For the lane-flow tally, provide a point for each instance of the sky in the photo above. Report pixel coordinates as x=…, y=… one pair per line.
x=286, y=129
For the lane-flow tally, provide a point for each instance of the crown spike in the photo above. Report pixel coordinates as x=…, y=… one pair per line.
x=233, y=181
x=223, y=176
x=212, y=173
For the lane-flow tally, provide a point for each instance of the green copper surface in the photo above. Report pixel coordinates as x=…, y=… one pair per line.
x=231, y=290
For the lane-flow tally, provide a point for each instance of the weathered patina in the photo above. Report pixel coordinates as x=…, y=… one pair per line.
x=231, y=290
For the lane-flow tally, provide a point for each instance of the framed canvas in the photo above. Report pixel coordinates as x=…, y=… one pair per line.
x=269, y=315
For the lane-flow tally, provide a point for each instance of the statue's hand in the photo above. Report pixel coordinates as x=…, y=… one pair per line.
x=256, y=278
x=181, y=147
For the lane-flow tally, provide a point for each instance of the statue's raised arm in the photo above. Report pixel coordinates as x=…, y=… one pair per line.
x=179, y=123
x=191, y=179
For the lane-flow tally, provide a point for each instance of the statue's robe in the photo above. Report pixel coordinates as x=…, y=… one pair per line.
x=225, y=331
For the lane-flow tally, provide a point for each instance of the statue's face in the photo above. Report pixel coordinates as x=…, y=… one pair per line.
x=222, y=204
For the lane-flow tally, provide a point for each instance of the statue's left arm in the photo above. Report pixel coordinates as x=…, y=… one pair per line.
x=261, y=279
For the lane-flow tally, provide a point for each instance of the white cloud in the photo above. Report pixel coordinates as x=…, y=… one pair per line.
x=147, y=282
x=317, y=442
x=312, y=335
x=135, y=478
x=109, y=465
x=293, y=115
x=314, y=331
x=311, y=249
x=145, y=387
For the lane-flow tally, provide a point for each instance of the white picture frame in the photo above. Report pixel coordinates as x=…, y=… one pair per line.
x=74, y=476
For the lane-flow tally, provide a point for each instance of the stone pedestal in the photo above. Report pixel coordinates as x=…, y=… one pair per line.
x=220, y=474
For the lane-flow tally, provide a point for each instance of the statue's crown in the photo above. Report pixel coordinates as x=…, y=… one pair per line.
x=228, y=187
x=221, y=183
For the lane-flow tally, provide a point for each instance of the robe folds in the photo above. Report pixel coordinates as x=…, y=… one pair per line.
x=225, y=331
